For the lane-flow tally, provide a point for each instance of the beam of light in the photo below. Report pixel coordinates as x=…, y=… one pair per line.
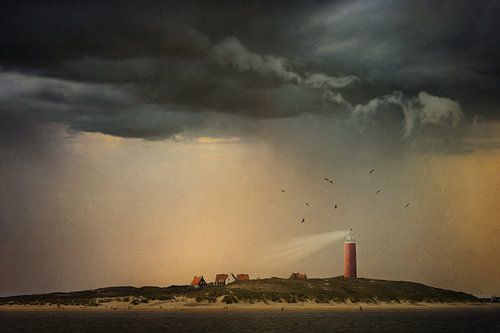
x=295, y=249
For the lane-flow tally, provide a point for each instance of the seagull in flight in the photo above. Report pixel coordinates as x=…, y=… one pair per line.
x=335, y=207
x=282, y=190
x=302, y=221
x=371, y=171
x=307, y=204
x=328, y=180
x=378, y=191
x=407, y=205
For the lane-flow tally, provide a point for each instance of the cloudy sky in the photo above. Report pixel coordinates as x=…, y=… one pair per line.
x=145, y=142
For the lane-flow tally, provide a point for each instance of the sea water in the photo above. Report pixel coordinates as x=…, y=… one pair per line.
x=447, y=320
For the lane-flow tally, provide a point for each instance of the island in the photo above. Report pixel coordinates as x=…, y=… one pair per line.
x=259, y=294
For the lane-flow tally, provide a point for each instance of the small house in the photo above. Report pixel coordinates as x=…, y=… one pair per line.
x=242, y=277
x=221, y=279
x=298, y=276
x=198, y=282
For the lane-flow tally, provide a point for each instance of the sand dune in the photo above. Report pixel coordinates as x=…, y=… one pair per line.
x=190, y=304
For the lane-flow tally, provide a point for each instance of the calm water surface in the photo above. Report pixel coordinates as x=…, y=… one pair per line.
x=480, y=320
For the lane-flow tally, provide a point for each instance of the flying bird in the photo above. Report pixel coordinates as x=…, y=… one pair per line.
x=371, y=171
x=307, y=204
x=378, y=191
x=407, y=205
x=335, y=207
x=302, y=220
x=331, y=181
x=282, y=190
x=326, y=179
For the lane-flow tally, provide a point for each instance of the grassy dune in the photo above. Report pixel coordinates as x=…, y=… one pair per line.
x=326, y=290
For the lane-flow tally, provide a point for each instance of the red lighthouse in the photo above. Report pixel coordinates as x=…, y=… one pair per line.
x=350, y=255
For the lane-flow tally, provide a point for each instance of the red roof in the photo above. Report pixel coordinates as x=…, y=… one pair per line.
x=242, y=277
x=298, y=276
x=197, y=280
x=221, y=278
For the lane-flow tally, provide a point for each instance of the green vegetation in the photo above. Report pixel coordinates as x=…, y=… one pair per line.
x=339, y=289
x=269, y=290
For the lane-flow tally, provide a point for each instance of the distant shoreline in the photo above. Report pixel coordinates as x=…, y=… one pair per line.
x=192, y=306
x=270, y=294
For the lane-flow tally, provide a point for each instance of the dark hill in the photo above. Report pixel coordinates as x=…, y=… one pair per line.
x=326, y=290
x=339, y=289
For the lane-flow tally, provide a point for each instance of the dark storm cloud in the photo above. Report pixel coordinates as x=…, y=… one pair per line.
x=153, y=69
x=449, y=47
x=411, y=114
x=41, y=35
x=84, y=106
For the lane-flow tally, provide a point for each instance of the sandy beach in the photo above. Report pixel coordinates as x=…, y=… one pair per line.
x=190, y=304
